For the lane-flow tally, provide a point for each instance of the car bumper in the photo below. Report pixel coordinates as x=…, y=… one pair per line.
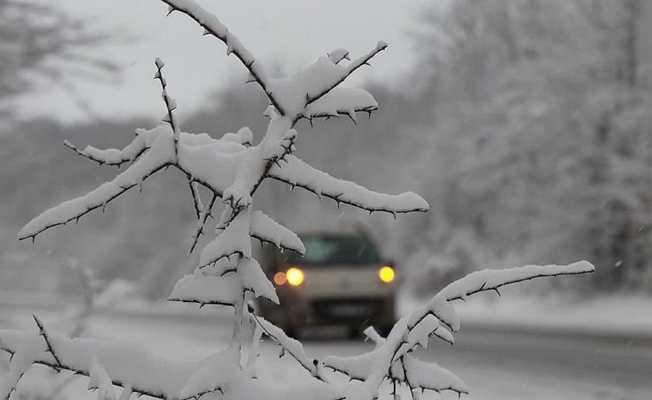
x=355, y=312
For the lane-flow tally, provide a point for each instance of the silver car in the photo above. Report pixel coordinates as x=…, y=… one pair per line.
x=341, y=280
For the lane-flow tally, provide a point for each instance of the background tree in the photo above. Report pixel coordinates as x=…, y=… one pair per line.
x=539, y=131
x=37, y=41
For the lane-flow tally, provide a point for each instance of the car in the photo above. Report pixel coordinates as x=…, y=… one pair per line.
x=341, y=280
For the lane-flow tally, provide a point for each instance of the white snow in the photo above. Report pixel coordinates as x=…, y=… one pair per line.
x=99, y=379
x=206, y=289
x=340, y=101
x=292, y=346
x=266, y=229
x=298, y=173
x=493, y=279
x=254, y=279
x=122, y=362
x=232, y=240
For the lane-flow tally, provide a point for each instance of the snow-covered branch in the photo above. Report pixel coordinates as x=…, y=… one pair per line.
x=213, y=26
x=296, y=172
x=197, y=204
x=111, y=157
x=267, y=230
x=494, y=279
x=291, y=346
x=152, y=161
x=202, y=216
x=334, y=81
x=392, y=358
x=170, y=105
x=341, y=101
x=48, y=343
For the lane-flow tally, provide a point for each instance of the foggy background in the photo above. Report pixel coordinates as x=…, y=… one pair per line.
x=525, y=124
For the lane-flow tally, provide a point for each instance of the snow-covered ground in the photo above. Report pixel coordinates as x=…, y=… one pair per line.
x=496, y=365
x=624, y=316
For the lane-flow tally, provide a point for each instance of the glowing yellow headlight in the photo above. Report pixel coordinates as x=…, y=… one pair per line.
x=294, y=276
x=386, y=273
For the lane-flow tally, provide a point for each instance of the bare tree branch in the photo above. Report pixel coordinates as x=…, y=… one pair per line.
x=352, y=67
x=170, y=106
x=202, y=219
x=213, y=26
x=48, y=343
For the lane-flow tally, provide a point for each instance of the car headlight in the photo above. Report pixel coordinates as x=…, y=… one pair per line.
x=280, y=278
x=386, y=274
x=294, y=276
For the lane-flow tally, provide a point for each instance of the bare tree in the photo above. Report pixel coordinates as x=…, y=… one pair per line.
x=36, y=40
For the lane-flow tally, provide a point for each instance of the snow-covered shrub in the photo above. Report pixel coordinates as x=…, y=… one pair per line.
x=231, y=169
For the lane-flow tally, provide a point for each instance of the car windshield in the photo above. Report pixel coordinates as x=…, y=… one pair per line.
x=337, y=249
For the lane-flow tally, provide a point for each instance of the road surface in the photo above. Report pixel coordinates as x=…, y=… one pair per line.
x=497, y=365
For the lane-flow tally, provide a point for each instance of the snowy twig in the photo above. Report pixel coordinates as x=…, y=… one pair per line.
x=201, y=223
x=112, y=157
x=29, y=233
x=196, y=198
x=352, y=67
x=296, y=172
x=170, y=106
x=57, y=362
x=84, y=372
x=492, y=280
x=213, y=26
x=290, y=346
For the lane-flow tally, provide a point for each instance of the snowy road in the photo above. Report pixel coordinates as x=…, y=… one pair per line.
x=495, y=364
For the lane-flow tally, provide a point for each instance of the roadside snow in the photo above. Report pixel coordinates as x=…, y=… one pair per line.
x=616, y=315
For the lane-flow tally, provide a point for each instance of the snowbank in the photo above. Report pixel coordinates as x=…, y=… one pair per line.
x=616, y=315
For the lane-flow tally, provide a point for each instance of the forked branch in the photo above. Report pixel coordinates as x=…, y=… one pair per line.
x=48, y=344
x=213, y=26
x=351, y=68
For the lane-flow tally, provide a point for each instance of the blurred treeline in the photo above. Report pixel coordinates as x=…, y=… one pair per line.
x=526, y=124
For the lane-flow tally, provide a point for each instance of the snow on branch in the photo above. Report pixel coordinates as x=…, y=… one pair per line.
x=205, y=289
x=213, y=26
x=197, y=204
x=334, y=80
x=125, y=364
x=300, y=94
x=113, y=157
x=234, y=240
x=422, y=375
x=290, y=346
x=298, y=173
x=267, y=230
x=393, y=360
x=255, y=280
x=341, y=101
x=158, y=157
x=493, y=279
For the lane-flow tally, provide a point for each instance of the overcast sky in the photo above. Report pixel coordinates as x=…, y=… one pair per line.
x=285, y=33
